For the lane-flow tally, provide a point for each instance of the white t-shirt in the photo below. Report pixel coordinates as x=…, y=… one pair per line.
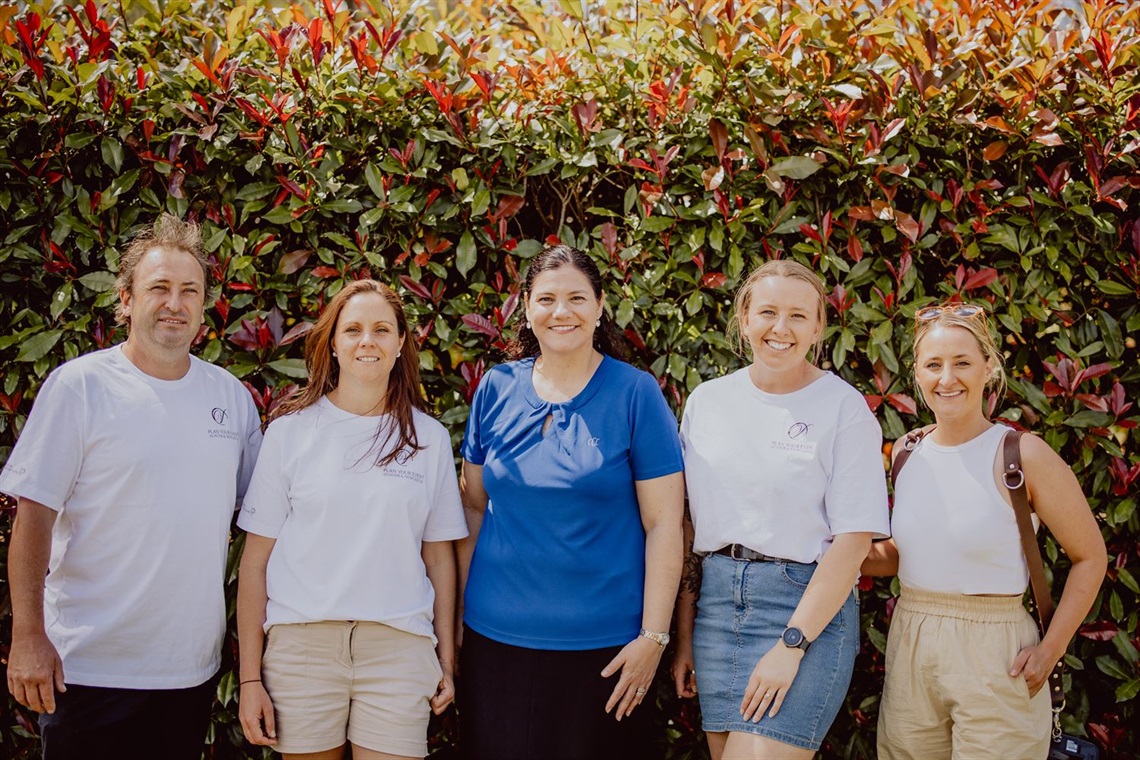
x=145, y=475
x=349, y=533
x=782, y=473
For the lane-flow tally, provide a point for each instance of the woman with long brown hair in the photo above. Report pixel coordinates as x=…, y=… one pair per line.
x=346, y=592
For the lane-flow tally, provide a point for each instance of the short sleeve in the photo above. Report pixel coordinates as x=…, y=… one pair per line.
x=655, y=447
x=473, y=449
x=445, y=511
x=45, y=463
x=856, y=495
x=266, y=502
x=252, y=432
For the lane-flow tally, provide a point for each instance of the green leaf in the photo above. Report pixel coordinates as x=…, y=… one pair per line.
x=294, y=368
x=1110, y=333
x=343, y=206
x=795, y=167
x=61, y=299
x=112, y=151
x=1110, y=666
x=1127, y=691
x=99, y=282
x=37, y=346
x=465, y=253
x=1114, y=288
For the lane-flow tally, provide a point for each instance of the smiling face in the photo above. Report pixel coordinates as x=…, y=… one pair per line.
x=781, y=322
x=952, y=372
x=563, y=310
x=366, y=340
x=164, y=304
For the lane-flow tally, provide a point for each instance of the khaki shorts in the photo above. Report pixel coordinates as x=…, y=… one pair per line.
x=948, y=692
x=365, y=682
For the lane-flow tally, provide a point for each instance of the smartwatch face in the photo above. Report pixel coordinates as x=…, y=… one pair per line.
x=793, y=637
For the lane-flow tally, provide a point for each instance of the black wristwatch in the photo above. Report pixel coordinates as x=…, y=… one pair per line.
x=794, y=638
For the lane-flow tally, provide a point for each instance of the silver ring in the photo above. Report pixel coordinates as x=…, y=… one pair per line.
x=640, y=692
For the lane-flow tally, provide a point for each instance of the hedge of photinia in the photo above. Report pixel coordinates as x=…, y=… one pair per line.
x=911, y=153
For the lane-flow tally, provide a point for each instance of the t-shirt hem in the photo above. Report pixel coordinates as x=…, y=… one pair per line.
x=558, y=645
x=31, y=493
x=445, y=536
x=111, y=681
x=876, y=532
x=258, y=528
x=660, y=472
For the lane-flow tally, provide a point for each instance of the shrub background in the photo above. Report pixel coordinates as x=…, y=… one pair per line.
x=977, y=150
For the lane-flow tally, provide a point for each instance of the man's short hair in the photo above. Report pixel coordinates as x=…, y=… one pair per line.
x=167, y=232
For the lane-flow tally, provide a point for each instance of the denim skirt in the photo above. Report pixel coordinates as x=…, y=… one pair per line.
x=742, y=611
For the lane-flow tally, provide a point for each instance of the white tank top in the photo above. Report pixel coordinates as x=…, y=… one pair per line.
x=954, y=531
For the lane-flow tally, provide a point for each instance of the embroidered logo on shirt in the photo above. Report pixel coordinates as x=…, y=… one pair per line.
x=594, y=441
x=798, y=429
x=221, y=418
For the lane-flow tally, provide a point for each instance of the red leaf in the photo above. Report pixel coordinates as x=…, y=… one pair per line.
x=509, y=205
x=326, y=272
x=294, y=260
x=295, y=332
x=719, y=135
x=854, y=249
x=415, y=287
x=1101, y=630
x=1092, y=401
x=481, y=324
x=713, y=280
x=907, y=226
x=980, y=278
x=903, y=403
x=809, y=232
x=609, y=238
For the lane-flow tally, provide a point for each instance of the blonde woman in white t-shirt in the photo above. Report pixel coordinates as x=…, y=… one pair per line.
x=786, y=490
x=964, y=666
x=346, y=590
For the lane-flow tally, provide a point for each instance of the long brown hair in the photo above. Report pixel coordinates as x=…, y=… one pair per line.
x=404, y=391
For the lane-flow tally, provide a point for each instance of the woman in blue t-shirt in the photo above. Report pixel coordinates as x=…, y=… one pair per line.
x=573, y=492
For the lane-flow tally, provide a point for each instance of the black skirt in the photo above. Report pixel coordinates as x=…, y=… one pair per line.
x=522, y=704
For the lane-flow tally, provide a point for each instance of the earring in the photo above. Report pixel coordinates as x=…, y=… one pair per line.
x=334, y=354
x=528, y=324
x=398, y=354
x=598, y=323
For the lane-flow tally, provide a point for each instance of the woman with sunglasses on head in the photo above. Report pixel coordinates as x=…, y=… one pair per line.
x=965, y=669
x=786, y=490
x=346, y=590
x=573, y=491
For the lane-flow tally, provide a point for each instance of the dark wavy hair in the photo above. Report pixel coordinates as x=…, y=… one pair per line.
x=404, y=391
x=608, y=338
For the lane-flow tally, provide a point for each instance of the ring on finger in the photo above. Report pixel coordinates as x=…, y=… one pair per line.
x=640, y=691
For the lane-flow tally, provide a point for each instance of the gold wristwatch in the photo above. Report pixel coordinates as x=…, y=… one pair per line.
x=660, y=638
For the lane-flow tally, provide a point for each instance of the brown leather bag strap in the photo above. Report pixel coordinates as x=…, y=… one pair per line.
x=1013, y=476
x=909, y=442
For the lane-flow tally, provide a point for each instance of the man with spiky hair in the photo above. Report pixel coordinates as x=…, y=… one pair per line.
x=126, y=475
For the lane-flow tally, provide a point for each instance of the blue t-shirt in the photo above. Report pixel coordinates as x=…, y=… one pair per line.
x=560, y=560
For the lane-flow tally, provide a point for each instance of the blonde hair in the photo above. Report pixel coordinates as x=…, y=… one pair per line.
x=743, y=301
x=979, y=327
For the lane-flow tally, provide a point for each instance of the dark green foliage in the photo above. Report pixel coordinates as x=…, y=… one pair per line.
x=986, y=151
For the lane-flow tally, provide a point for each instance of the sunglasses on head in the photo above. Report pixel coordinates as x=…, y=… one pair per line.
x=964, y=310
